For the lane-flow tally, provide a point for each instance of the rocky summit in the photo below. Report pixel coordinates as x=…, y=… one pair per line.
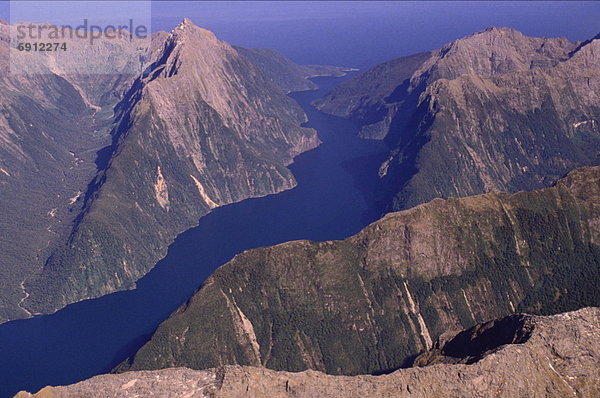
x=518, y=356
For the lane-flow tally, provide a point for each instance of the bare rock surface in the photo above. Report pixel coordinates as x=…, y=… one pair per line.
x=555, y=356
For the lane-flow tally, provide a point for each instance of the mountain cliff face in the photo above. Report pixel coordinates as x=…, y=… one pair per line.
x=518, y=356
x=493, y=111
x=367, y=304
x=87, y=157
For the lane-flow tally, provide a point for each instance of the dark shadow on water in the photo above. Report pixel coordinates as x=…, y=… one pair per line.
x=125, y=351
x=365, y=172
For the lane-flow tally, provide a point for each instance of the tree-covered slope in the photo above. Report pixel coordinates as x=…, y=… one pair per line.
x=367, y=304
x=52, y=125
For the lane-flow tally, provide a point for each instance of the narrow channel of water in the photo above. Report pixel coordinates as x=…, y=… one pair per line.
x=332, y=201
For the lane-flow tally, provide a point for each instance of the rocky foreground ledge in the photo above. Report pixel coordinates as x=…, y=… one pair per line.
x=516, y=356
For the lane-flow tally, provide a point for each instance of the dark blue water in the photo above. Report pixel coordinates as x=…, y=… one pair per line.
x=331, y=201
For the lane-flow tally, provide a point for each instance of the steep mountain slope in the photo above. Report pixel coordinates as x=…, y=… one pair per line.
x=101, y=170
x=284, y=72
x=52, y=123
x=368, y=303
x=493, y=111
x=519, y=356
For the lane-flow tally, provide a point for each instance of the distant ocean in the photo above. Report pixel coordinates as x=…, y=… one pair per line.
x=363, y=34
x=351, y=33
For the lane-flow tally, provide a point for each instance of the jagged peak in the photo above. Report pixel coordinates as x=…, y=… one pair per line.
x=185, y=23
x=187, y=27
x=185, y=42
x=504, y=33
x=497, y=50
x=489, y=32
x=499, y=30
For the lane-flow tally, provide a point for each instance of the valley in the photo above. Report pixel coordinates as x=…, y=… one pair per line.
x=181, y=215
x=92, y=155
x=493, y=111
x=94, y=336
x=369, y=303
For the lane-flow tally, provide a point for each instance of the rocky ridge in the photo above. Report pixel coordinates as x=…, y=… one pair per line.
x=533, y=356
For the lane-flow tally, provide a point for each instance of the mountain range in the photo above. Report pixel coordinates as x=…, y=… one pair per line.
x=496, y=110
x=489, y=196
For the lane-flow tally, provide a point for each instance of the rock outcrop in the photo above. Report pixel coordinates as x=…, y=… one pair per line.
x=369, y=303
x=520, y=356
x=496, y=110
